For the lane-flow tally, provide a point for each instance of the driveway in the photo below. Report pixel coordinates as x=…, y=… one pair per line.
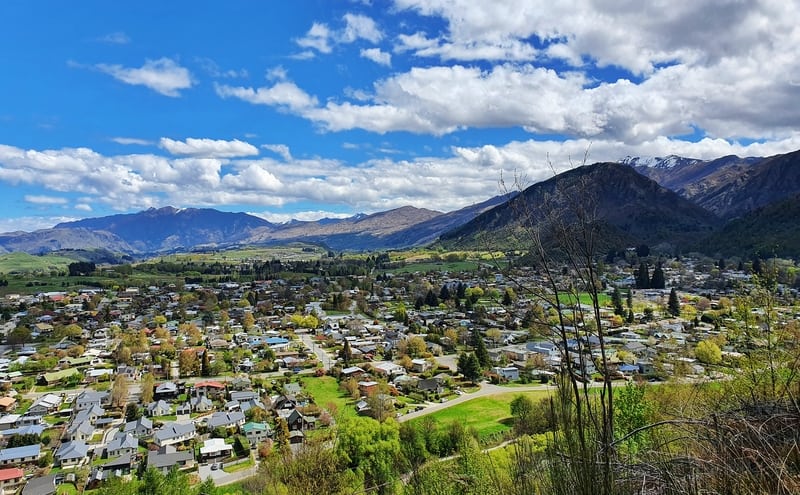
x=220, y=477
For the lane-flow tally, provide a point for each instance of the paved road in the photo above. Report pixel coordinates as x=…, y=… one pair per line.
x=323, y=356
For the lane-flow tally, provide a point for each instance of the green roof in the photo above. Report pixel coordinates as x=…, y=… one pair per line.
x=57, y=376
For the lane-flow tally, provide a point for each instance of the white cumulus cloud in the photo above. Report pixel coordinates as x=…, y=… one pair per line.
x=163, y=75
x=208, y=148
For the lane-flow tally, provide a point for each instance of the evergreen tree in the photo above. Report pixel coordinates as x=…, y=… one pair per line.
x=642, y=276
x=658, y=281
x=630, y=299
x=431, y=299
x=629, y=319
x=757, y=265
x=461, y=291
x=721, y=264
x=507, y=301
x=481, y=353
x=444, y=294
x=347, y=353
x=616, y=299
x=673, y=305
x=472, y=368
x=205, y=366
x=419, y=302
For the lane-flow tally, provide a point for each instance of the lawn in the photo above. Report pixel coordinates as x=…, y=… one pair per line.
x=325, y=390
x=489, y=416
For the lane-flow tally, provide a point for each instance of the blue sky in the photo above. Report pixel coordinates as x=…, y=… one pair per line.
x=314, y=108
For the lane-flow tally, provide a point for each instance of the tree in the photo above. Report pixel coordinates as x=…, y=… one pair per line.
x=481, y=353
x=471, y=368
x=119, y=391
x=629, y=299
x=205, y=367
x=148, y=387
x=508, y=297
x=132, y=412
x=522, y=410
x=188, y=363
x=346, y=353
x=616, y=300
x=248, y=320
x=673, y=304
x=431, y=299
x=444, y=293
x=416, y=346
x=708, y=352
x=19, y=336
x=372, y=449
x=642, y=276
x=495, y=335
x=282, y=437
x=658, y=281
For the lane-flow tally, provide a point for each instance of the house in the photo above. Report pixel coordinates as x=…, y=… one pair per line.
x=172, y=433
x=72, y=453
x=297, y=421
x=367, y=388
x=20, y=455
x=509, y=373
x=142, y=427
x=211, y=389
x=388, y=369
x=256, y=433
x=167, y=457
x=431, y=385
x=8, y=404
x=11, y=479
x=354, y=371
x=91, y=414
x=201, y=404
x=234, y=419
x=243, y=395
x=120, y=466
x=240, y=383
x=159, y=408
x=57, y=377
x=166, y=390
x=43, y=485
x=9, y=421
x=79, y=431
x=420, y=365
x=214, y=448
x=122, y=443
x=183, y=409
x=89, y=398
x=44, y=405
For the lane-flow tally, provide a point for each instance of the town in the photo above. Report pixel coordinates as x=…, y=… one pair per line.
x=210, y=376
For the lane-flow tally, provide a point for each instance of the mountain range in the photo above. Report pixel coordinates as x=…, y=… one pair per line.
x=726, y=206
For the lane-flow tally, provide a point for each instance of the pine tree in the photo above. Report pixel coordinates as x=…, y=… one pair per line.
x=205, y=365
x=629, y=319
x=642, y=277
x=658, y=281
x=431, y=299
x=481, y=353
x=630, y=299
x=616, y=299
x=673, y=305
x=347, y=353
x=444, y=294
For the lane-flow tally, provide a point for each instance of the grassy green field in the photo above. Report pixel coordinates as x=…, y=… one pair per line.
x=489, y=416
x=325, y=390
x=438, y=266
x=28, y=263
